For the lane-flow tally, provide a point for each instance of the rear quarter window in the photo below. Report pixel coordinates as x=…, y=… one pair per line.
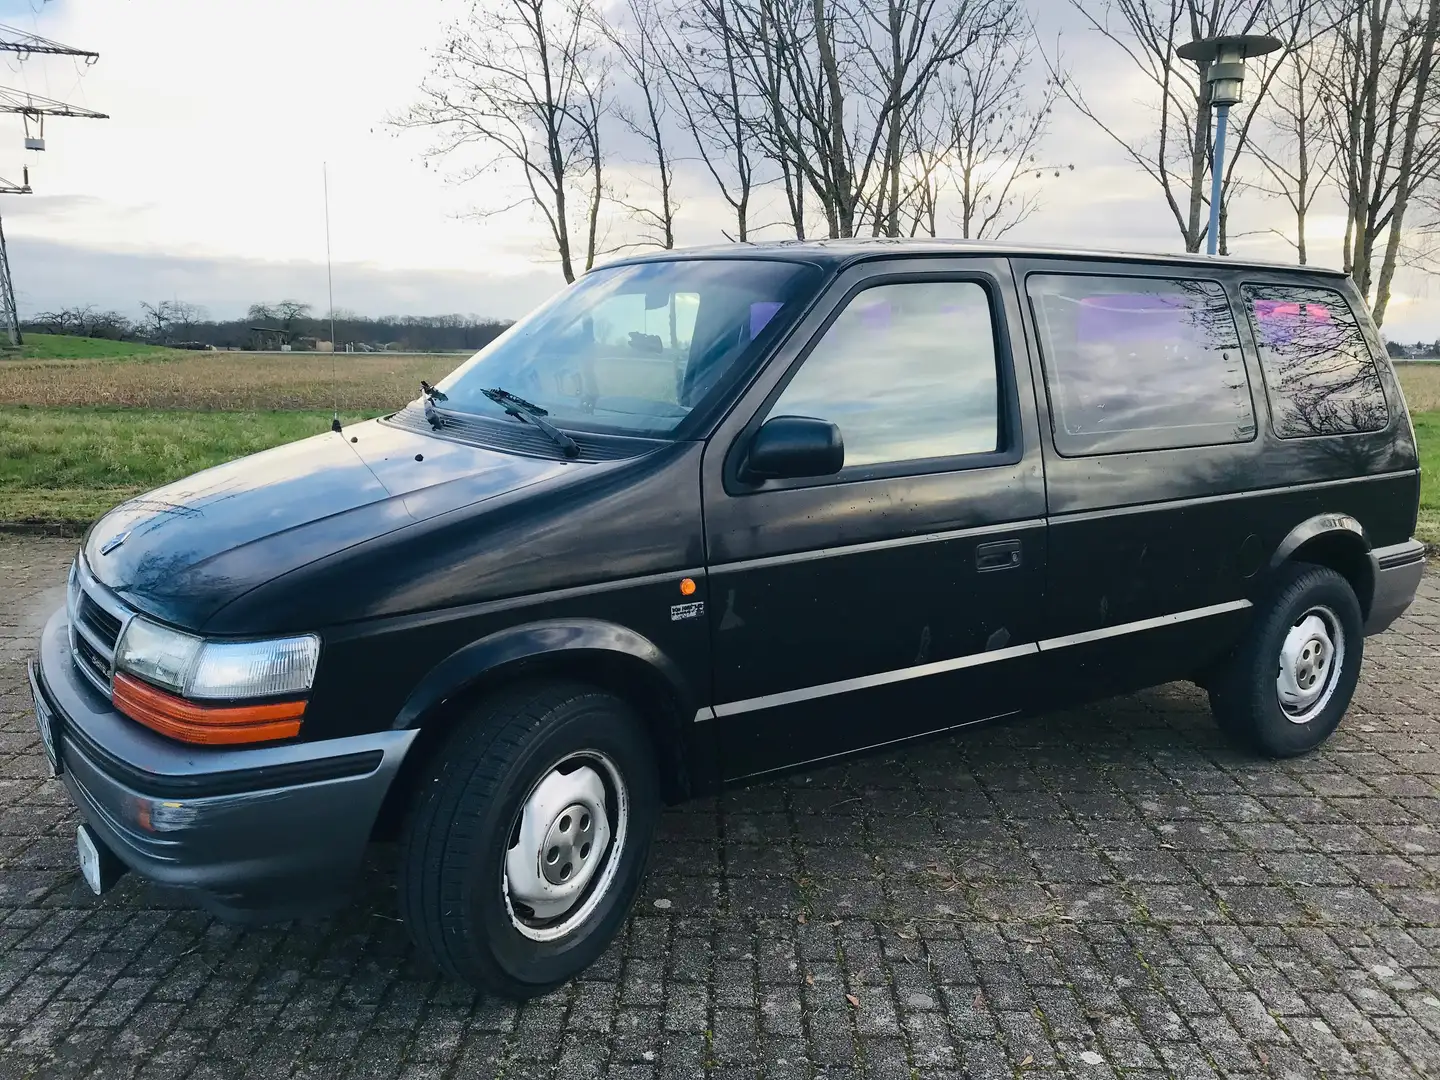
x=1137, y=363
x=1320, y=374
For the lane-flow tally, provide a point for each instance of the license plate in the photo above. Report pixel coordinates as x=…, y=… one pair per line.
x=89, y=860
x=45, y=720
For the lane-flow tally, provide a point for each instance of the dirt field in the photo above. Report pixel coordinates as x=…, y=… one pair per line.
x=226, y=381
x=1421, y=383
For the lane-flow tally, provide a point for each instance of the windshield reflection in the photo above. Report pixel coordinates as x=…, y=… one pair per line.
x=633, y=349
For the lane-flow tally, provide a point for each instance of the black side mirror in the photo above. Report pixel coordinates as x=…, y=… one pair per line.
x=786, y=447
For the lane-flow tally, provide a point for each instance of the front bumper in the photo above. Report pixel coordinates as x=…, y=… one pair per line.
x=257, y=834
x=1398, y=569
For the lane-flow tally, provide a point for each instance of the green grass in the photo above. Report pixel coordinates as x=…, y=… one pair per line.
x=1427, y=434
x=70, y=347
x=71, y=465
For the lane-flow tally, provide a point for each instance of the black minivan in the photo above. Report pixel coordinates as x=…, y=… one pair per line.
x=712, y=515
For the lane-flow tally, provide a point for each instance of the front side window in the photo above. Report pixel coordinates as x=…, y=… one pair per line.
x=1140, y=363
x=907, y=372
x=631, y=350
x=1319, y=371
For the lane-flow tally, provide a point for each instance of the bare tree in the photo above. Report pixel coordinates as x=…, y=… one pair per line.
x=155, y=319
x=996, y=130
x=708, y=61
x=1178, y=153
x=846, y=86
x=1379, y=101
x=1298, y=160
x=184, y=316
x=288, y=313
x=644, y=64
x=523, y=80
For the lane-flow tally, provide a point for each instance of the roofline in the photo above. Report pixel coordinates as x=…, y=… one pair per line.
x=848, y=251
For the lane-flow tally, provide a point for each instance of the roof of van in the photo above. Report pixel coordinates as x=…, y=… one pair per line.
x=833, y=252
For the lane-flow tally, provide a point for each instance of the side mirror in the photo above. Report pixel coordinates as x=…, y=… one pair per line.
x=787, y=447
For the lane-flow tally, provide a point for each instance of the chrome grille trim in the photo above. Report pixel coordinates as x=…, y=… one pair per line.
x=93, y=594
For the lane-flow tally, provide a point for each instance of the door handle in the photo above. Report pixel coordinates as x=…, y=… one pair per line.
x=1000, y=555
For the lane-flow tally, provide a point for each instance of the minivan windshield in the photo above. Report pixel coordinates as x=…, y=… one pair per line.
x=632, y=349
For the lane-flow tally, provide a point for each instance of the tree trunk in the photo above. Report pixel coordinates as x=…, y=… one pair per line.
x=842, y=212
x=1404, y=178
x=1200, y=157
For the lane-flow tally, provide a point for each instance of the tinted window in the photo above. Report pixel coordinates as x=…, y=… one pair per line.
x=632, y=349
x=907, y=372
x=1319, y=371
x=1140, y=363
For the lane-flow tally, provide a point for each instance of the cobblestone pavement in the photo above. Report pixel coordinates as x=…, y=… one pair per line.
x=1105, y=892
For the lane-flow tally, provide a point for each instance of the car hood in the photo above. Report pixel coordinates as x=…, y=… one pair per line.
x=183, y=551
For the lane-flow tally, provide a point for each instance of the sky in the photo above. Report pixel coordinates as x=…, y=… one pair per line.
x=206, y=183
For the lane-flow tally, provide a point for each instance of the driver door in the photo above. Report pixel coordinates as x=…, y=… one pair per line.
x=899, y=596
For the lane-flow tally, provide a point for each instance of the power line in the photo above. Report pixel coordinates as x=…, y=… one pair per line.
x=13, y=39
x=36, y=105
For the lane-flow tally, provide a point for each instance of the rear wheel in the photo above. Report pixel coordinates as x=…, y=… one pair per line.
x=1287, y=686
x=528, y=841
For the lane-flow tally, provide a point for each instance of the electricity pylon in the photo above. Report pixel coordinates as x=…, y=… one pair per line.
x=33, y=109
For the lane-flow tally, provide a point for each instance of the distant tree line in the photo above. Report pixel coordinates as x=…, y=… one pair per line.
x=1420, y=350
x=269, y=325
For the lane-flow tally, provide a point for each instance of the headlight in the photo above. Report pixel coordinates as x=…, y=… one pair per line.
x=72, y=594
x=217, y=670
x=157, y=654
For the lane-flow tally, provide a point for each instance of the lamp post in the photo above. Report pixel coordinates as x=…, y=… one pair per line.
x=1226, y=56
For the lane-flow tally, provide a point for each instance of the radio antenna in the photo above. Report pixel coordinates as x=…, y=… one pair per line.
x=330, y=286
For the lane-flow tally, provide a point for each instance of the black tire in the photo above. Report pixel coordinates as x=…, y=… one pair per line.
x=1243, y=690
x=452, y=876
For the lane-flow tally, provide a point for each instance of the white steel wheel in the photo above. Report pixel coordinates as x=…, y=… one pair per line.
x=527, y=841
x=565, y=845
x=1286, y=685
x=1311, y=658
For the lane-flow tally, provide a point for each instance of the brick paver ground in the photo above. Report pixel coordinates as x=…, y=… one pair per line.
x=1105, y=892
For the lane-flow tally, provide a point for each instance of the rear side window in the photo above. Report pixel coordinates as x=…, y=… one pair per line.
x=1140, y=363
x=1319, y=371
x=907, y=372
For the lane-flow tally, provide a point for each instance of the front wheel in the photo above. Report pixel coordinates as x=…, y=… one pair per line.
x=528, y=841
x=1285, y=689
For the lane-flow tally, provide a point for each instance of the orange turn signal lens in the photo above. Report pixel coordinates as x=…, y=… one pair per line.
x=205, y=724
x=687, y=586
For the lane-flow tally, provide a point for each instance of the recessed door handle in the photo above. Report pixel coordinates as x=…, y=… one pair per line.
x=1000, y=555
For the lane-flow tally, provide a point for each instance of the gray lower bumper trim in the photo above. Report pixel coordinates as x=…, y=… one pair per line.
x=1398, y=569
x=286, y=842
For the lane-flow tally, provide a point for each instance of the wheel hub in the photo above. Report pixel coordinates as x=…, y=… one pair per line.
x=1310, y=658
x=569, y=844
x=564, y=847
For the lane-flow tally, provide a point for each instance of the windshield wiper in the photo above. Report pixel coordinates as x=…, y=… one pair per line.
x=431, y=396
x=521, y=409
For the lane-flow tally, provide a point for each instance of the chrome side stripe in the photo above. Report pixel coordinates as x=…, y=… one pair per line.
x=864, y=682
x=920, y=671
x=1142, y=624
x=874, y=545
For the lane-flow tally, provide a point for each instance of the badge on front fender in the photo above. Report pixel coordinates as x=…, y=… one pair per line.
x=681, y=612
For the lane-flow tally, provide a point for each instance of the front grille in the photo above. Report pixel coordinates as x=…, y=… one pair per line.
x=105, y=625
x=90, y=661
x=96, y=620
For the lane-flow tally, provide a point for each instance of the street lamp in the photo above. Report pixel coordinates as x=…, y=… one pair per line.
x=1226, y=56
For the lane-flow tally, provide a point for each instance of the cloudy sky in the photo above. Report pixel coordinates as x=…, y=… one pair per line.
x=205, y=184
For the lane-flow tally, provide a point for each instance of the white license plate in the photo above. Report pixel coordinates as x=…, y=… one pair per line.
x=89, y=860
x=45, y=721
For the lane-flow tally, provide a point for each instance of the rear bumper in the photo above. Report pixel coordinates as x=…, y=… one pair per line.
x=1398, y=569
x=255, y=834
